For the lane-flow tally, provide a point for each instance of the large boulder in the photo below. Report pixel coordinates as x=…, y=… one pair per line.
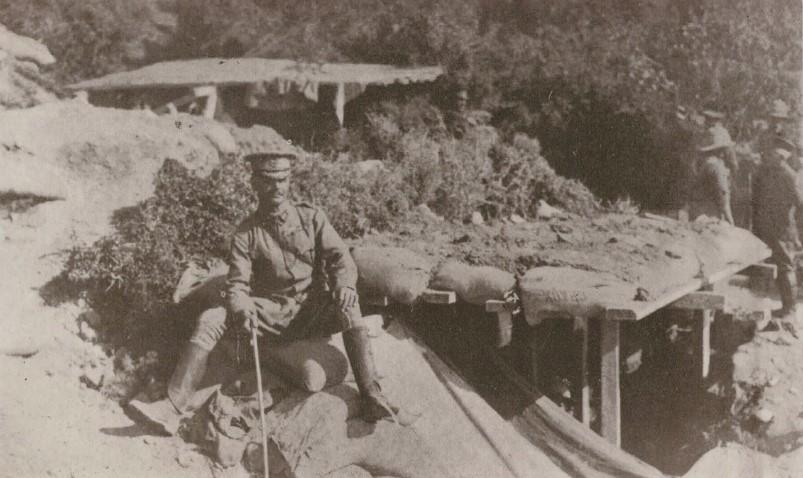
x=103, y=157
x=21, y=85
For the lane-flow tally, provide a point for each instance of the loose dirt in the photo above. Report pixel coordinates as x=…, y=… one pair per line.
x=94, y=160
x=653, y=254
x=51, y=423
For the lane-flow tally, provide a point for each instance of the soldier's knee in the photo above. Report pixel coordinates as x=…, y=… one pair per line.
x=210, y=329
x=352, y=318
x=312, y=376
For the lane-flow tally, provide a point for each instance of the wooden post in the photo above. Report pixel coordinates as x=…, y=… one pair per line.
x=431, y=296
x=504, y=328
x=702, y=346
x=504, y=321
x=532, y=344
x=376, y=300
x=340, y=103
x=582, y=393
x=210, y=94
x=611, y=399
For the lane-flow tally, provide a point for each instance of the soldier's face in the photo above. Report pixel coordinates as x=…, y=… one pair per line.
x=271, y=190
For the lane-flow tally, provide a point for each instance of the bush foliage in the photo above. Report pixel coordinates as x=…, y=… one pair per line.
x=133, y=272
x=598, y=85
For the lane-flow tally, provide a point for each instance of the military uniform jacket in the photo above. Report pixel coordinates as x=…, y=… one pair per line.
x=776, y=193
x=286, y=252
x=712, y=191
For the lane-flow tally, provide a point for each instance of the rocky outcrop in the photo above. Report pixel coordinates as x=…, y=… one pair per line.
x=21, y=84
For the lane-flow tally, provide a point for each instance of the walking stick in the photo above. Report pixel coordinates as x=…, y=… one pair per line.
x=261, y=400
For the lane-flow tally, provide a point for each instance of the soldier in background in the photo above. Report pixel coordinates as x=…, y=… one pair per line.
x=778, y=121
x=457, y=118
x=711, y=194
x=776, y=194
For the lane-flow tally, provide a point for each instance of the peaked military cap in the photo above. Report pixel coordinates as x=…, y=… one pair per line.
x=713, y=114
x=275, y=165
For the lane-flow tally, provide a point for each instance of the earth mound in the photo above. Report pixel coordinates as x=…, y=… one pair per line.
x=21, y=85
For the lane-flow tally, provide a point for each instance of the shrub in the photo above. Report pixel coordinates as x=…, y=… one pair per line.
x=522, y=176
x=133, y=271
x=356, y=201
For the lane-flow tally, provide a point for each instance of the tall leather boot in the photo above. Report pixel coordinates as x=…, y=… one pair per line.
x=187, y=376
x=166, y=414
x=374, y=405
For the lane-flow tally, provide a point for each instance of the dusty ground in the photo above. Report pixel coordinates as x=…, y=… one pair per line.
x=51, y=422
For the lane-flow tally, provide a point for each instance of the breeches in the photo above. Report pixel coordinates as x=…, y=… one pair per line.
x=281, y=321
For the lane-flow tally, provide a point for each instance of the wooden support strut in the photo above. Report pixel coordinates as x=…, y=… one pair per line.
x=582, y=392
x=432, y=296
x=376, y=300
x=700, y=301
x=702, y=347
x=609, y=382
x=504, y=321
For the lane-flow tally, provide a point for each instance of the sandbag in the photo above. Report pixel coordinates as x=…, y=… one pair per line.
x=202, y=285
x=312, y=364
x=315, y=364
x=575, y=292
x=473, y=284
x=392, y=272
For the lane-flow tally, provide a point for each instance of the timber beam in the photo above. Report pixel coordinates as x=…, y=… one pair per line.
x=700, y=301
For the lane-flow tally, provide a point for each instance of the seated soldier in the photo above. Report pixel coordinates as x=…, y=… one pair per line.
x=291, y=276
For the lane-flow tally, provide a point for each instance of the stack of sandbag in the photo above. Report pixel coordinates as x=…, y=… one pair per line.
x=473, y=284
x=392, y=272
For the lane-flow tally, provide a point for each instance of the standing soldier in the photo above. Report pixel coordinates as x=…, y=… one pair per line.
x=778, y=119
x=290, y=275
x=711, y=195
x=456, y=118
x=776, y=194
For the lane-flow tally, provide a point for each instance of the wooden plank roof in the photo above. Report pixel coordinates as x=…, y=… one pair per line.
x=233, y=71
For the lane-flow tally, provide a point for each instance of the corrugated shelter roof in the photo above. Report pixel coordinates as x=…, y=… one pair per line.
x=222, y=71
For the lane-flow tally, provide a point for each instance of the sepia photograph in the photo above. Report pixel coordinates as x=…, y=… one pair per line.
x=401, y=238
